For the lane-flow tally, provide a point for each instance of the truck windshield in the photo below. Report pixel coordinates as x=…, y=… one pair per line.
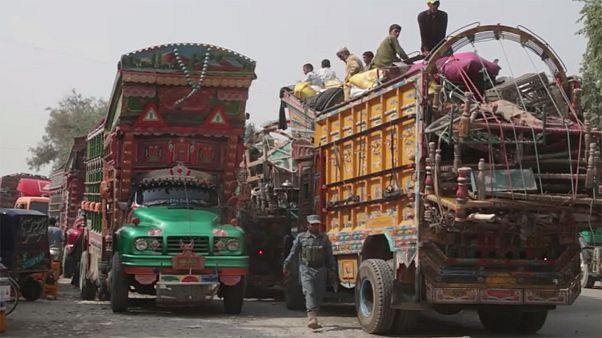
x=39, y=206
x=192, y=196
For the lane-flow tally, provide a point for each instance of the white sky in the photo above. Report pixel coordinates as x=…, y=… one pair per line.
x=51, y=47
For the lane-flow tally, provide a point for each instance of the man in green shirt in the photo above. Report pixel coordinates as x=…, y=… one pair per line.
x=389, y=49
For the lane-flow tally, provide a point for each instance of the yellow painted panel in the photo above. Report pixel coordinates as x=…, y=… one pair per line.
x=347, y=160
x=347, y=124
x=376, y=144
x=375, y=115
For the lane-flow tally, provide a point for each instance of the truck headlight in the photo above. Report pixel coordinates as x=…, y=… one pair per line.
x=233, y=245
x=141, y=244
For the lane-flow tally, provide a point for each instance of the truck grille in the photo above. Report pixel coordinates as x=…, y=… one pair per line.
x=201, y=244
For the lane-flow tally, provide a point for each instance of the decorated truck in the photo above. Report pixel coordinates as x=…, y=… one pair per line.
x=450, y=188
x=160, y=178
x=273, y=199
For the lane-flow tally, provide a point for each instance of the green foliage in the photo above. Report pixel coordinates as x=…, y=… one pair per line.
x=74, y=116
x=591, y=16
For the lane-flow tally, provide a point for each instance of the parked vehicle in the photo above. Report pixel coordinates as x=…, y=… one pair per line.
x=24, y=249
x=160, y=178
x=273, y=201
x=9, y=191
x=445, y=188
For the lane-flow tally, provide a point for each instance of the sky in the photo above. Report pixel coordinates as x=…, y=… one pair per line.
x=51, y=47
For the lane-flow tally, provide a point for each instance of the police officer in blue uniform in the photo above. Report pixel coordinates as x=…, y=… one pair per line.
x=313, y=251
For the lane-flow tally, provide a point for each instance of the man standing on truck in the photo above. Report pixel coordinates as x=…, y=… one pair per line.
x=433, y=26
x=313, y=251
x=389, y=49
x=353, y=65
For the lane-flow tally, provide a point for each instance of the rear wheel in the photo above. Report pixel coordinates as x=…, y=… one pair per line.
x=500, y=319
x=86, y=286
x=234, y=297
x=31, y=289
x=120, y=286
x=405, y=321
x=373, y=296
x=532, y=322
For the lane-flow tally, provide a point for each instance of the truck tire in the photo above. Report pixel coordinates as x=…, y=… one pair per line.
x=373, y=296
x=293, y=296
x=120, y=286
x=587, y=281
x=86, y=286
x=500, y=319
x=31, y=289
x=531, y=322
x=234, y=297
x=69, y=264
x=405, y=321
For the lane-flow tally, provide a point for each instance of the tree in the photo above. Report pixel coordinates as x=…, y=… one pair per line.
x=591, y=67
x=74, y=116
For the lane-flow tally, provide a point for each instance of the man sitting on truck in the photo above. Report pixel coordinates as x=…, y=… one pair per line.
x=312, y=78
x=353, y=65
x=389, y=49
x=326, y=74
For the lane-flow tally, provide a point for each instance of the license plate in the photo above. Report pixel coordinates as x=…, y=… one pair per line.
x=188, y=262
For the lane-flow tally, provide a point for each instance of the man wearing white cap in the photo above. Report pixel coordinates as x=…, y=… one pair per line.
x=313, y=251
x=433, y=26
x=353, y=65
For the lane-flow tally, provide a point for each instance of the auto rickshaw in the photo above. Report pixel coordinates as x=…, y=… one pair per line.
x=24, y=249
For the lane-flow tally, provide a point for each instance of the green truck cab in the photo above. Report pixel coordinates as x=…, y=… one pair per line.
x=176, y=245
x=160, y=180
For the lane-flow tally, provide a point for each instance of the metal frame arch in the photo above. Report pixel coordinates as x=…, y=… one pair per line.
x=519, y=34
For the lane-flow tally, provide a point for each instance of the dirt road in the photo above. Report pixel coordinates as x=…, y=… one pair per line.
x=70, y=317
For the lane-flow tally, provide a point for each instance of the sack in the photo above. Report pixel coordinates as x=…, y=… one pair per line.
x=365, y=80
x=303, y=90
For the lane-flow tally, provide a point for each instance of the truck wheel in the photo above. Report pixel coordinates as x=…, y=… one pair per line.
x=69, y=265
x=405, y=321
x=31, y=289
x=120, y=286
x=86, y=286
x=234, y=297
x=293, y=296
x=587, y=281
x=500, y=319
x=373, y=296
x=532, y=322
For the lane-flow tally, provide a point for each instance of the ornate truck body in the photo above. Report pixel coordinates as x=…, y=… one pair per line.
x=453, y=195
x=274, y=198
x=161, y=173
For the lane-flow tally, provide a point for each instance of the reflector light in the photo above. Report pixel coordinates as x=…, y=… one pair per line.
x=136, y=220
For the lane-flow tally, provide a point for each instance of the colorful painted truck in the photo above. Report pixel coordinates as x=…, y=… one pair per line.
x=449, y=189
x=160, y=178
x=274, y=200
x=14, y=186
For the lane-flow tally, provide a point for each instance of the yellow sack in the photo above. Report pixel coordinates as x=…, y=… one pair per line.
x=365, y=80
x=333, y=84
x=303, y=90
